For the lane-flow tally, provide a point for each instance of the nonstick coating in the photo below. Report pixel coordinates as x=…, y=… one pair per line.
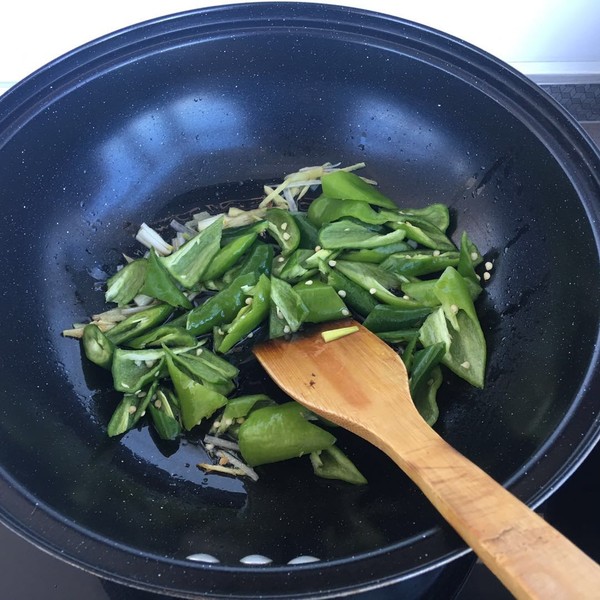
x=204, y=107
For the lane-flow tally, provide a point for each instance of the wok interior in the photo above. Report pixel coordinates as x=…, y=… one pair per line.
x=195, y=125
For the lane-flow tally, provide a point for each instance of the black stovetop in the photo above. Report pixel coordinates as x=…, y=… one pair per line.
x=28, y=573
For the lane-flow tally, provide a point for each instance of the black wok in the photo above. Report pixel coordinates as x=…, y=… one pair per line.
x=202, y=107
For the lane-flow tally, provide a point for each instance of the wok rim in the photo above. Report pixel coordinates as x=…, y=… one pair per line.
x=49, y=531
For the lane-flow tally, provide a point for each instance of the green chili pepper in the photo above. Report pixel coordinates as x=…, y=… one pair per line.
x=456, y=325
x=322, y=301
x=375, y=255
x=419, y=262
x=220, y=308
x=165, y=335
x=206, y=367
x=283, y=227
x=126, y=284
x=248, y=318
x=281, y=432
x=392, y=318
x=332, y=463
x=325, y=210
x=160, y=285
x=347, y=234
x=355, y=297
x=423, y=363
x=399, y=336
x=97, y=347
x=139, y=323
x=348, y=186
x=287, y=310
x=237, y=409
x=424, y=397
x=309, y=234
x=376, y=281
x=437, y=215
x=231, y=233
x=292, y=268
x=196, y=401
x=258, y=261
x=425, y=234
x=469, y=258
x=132, y=370
x=163, y=416
x=129, y=411
x=409, y=352
x=229, y=255
x=187, y=264
x=423, y=292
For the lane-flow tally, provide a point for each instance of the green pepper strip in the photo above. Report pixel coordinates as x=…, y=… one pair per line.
x=97, y=347
x=129, y=411
x=391, y=318
x=348, y=186
x=419, y=262
x=322, y=301
x=229, y=255
x=355, y=296
x=165, y=335
x=283, y=227
x=240, y=408
x=287, y=311
x=163, y=416
x=332, y=463
x=160, y=285
x=281, y=432
x=292, y=268
x=220, y=308
x=347, y=234
x=326, y=210
x=309, y=234
x=249, y=317
x=139, y=323
x=187, y=264
x=196, y=401
x=126, y=284
x=375, y=255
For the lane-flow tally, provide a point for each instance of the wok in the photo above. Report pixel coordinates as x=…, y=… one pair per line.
x=203, y=107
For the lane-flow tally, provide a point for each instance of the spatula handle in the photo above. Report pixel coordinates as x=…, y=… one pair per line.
x=528, y=555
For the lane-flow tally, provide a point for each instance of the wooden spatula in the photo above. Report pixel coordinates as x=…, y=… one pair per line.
x=360, y=383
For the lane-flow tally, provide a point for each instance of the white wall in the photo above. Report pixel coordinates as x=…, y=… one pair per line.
x=536, y=36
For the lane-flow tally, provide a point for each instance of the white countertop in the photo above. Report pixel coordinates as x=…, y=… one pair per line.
x=536, y=36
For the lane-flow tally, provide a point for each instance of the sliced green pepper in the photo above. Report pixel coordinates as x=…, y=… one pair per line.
x=163, y=415
x=132, y=370
x=165, y=335
x=399, y=336
x=456, y=325
x=309, y=234
x=139, y=323
x=425, y=234
x=420, y=262
x=196, y=401
x=347, y=234
x=392, y=318
x=237, y=409
x=229, y=255
x=325, y=210
x=281, y=432
x=283, y=227
x=356, y=297
x=469, y=258
x=376, y=281
x=160, y=285
x=129, y=411
x=97, y=347
x=323, y=303
x=332, y=463
x=424, y=397
x=348, y=186
x=126, y=284
x=206, y=367
x=248, y=318
x=375, y=255
x=437, y=215
x=220, y=308
x=292, y=268
x=287, y=311
x=187, y=264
